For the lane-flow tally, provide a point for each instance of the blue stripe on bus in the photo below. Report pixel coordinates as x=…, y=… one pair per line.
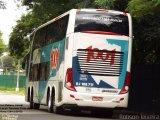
x=89, y=81
x=124, y=48
x=45, y=57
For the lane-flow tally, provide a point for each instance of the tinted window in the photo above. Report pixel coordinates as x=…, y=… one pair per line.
x=39, y=71
x=106, y=22
x=51, y=33
x=39, y=39
x=57, y=30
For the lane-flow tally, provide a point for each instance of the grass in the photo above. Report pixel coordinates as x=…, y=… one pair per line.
x=12, y=91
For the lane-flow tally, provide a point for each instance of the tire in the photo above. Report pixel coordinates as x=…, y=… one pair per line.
x=57, y=110
x=32, y=104
x=36, y=106
x=50, y=103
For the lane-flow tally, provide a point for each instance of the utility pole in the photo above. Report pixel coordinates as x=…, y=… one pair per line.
x=17, y=86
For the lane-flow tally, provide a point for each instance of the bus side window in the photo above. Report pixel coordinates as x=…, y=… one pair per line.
x=46, y=70
x=40, y=38
x=43, y=71
x=56, y=31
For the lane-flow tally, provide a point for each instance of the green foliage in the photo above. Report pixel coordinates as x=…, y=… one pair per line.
x=139, y=8
x=120, y=4
x=2, y=45
x=105, y=4
x=85, y=4
x=41, y=12
x=146, y=44
x=7, y=61
x=44, y=10
x=145, y=14
x=18, y=45
x=8, y=90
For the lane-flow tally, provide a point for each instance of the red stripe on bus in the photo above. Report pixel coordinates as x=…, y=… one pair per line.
x=101, y=32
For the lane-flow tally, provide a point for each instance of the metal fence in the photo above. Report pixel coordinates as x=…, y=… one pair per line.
x=10, y=81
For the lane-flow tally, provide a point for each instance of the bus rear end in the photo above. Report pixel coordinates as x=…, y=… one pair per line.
x=101, y=54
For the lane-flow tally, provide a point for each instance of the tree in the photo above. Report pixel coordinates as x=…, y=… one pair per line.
x=2, y=45
x=40, y=12
x=140, y=8
x=18, y=44
x=146, y=45
x=7, y=61
x=145, y=20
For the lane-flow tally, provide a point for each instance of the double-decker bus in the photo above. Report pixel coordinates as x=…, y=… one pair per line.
x=81, y=58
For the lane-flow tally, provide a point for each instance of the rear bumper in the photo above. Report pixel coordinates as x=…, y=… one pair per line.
x=86, y=100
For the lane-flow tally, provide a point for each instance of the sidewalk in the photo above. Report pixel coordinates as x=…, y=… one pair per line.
x=6, y=98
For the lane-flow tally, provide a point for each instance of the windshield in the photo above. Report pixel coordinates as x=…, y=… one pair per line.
x=103, y=22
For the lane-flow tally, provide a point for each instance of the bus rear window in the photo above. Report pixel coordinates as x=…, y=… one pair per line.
x=104, y=22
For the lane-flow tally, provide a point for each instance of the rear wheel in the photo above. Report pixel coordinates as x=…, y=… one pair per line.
x=36, y=106
x=56, y=109
x=50, y=103
x=32, y=104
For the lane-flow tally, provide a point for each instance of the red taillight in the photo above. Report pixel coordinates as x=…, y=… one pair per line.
x=78, y=10
x=68, y=80
x=125, y=14
x=102, y=10
x=126, y=84
x=101, y=32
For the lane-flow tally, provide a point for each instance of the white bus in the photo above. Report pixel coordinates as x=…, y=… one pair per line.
x=81, y=58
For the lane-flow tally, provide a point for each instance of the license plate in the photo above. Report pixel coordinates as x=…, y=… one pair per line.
x=95, y=98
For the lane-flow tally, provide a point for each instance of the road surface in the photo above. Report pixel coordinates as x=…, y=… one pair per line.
x=14, y=107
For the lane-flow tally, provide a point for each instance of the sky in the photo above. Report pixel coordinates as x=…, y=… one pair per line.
x=9, y=16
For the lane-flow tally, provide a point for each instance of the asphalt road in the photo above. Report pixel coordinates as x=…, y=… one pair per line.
x=14, y=107
x=43, y=114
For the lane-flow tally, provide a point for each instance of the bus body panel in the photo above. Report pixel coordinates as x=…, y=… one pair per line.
x=88, y=99
x=98, y=90
x=53, y=55
x=99, y=62
x=106, y=65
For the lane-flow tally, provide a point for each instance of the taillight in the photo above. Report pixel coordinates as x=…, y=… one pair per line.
x=125, y=14
x=101, y=32
x=126, y=83
x=69, y=81
x=102, y=10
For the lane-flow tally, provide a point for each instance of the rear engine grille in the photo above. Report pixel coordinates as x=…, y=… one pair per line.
x=99, y=62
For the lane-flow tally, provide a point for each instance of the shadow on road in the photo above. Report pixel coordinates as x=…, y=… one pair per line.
x=107, y=114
